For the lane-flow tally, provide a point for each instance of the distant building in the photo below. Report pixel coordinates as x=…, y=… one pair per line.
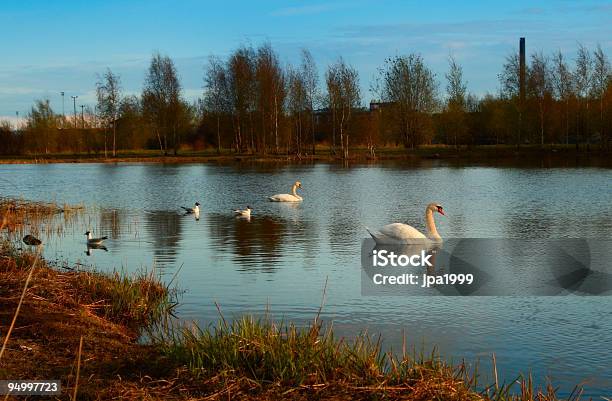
x=379, y=105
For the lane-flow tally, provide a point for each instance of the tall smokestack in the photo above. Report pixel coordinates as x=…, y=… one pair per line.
x=522, y=71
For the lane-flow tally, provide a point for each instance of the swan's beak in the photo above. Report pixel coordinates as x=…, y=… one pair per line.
x=441, y=211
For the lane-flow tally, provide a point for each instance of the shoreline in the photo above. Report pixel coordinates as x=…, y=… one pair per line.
x=476, y=154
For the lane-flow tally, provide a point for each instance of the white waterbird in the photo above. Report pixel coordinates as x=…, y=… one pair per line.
x=243, y=213
x=399, y=233
x=292, y=197
x=189, y=210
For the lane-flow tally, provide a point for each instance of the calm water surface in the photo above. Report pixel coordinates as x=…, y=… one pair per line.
x=284, y=254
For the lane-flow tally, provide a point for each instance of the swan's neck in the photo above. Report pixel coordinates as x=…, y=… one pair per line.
x=432, y=232
x=89, y=236
x=294, y=190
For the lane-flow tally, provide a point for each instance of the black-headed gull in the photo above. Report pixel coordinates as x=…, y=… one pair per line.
x=190, y=210
x=243, y=213
x=94, y=241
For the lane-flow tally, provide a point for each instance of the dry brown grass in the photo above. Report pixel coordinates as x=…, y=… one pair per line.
x=58, y=310
x=21, y=217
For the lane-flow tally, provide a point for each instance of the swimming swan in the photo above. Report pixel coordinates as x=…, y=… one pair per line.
x=94, y=241
x=399, y=233
x=292, y=197
x=243, y=213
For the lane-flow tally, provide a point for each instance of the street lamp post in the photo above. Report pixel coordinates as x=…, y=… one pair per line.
x=63, y=108
x=82, y=117
x=74, y=98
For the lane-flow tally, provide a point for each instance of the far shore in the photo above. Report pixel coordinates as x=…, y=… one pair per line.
x=462, y=154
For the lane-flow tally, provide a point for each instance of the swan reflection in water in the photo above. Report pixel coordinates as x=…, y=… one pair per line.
x=95, y=246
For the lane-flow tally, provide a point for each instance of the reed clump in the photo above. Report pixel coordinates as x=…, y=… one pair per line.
x=282, y=361
x=137, y=300
x=19, y=217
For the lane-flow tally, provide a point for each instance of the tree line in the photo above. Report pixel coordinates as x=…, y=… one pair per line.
x=252, y=103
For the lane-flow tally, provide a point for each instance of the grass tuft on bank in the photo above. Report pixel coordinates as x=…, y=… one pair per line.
x=136, y=300
x=283, y=356
x=280, y=360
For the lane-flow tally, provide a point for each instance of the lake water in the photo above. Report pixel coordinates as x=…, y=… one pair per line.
x=283, y=256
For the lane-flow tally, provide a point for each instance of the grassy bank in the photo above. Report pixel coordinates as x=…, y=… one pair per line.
x=244, y=359
x=323, y=154
x=108, y=312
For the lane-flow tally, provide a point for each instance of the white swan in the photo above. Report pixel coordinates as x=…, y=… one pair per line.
x=94, y=241
x=243, y=213
x=292, y=197
x=399, y=233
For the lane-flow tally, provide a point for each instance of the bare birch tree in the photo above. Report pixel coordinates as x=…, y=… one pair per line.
x=456, y=92
x=601, y=80
x=563, y=85
x=310, y=77
x=270, y=95
x=216, y=91
x=241, y=74
x=161, y=101
x=108, y=93
x=343, y=80
x=540, y=87
x=411, y=88
x=297, y=103
x=583, y=76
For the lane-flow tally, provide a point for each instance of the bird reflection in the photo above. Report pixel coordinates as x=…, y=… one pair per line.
x=290, y=205
x=244, y=218
x=164, y=229
x=256, y=242
x=95, y=246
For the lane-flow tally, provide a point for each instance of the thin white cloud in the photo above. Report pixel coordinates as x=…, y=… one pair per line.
x=18, y=90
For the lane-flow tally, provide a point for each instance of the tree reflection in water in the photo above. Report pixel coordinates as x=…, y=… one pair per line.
x=258, y=243
x=163, y=229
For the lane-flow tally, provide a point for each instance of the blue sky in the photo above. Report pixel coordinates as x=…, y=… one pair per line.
x=53, y=46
